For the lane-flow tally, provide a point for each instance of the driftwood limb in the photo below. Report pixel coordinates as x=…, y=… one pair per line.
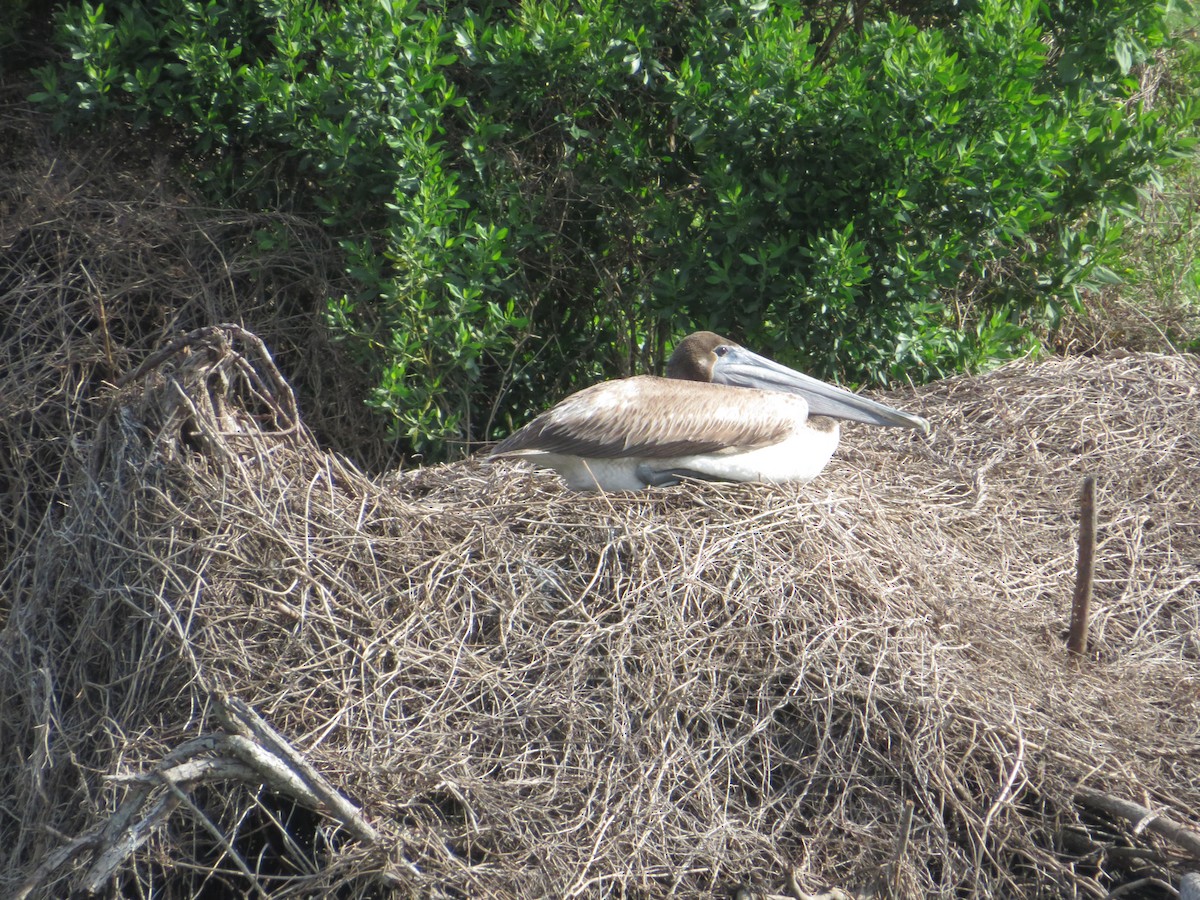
x=276, y=756
x=253, y=754
x=1084, y=570
x=1143, y=818
x=112, y=853
x=58, y=858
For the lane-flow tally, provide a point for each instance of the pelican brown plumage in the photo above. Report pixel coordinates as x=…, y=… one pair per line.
x=723, y=413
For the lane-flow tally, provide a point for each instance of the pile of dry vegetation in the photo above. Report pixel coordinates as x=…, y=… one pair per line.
x=231, y=662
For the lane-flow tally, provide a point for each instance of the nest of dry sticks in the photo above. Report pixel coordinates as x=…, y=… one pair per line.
x=234, y=663
x=233, y=658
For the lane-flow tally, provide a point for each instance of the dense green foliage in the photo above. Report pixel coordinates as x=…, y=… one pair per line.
x=530, y=195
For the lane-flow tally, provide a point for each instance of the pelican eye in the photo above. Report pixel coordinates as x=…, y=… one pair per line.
x=722, y=350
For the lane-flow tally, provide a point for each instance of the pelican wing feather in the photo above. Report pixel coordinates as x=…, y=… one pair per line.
x=658, y=418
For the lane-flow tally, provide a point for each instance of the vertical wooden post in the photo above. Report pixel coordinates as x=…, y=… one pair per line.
x=1084, y=569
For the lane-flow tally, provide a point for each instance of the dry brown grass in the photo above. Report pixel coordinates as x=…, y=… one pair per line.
x=530, y=692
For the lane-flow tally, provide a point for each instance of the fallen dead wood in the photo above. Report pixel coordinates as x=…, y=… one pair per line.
x=1143, y=818
x=262, y=747
x=254, y=757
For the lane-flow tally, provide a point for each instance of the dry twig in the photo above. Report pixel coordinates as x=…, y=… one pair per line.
x=1186, y=839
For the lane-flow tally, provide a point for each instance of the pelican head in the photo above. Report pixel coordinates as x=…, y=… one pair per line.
x=704, y=356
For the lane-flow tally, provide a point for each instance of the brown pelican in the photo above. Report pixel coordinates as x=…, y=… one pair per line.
x=723, y=413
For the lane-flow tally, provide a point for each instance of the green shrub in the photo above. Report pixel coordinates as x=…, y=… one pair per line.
x=1156, y=305
x=530, y=197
